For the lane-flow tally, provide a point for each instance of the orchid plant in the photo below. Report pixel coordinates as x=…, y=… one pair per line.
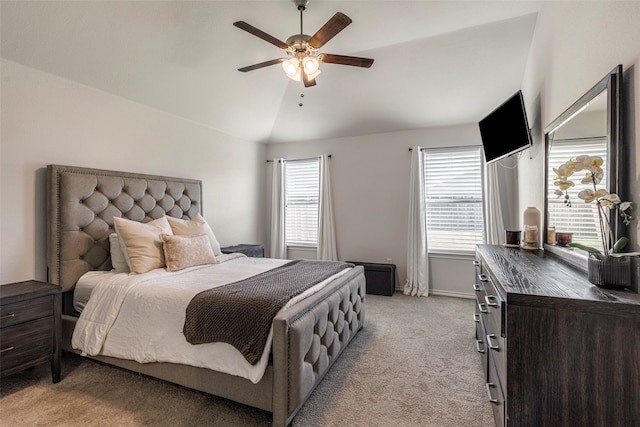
x=593, y=174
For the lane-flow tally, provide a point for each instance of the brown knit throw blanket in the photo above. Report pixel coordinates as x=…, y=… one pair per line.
x=241, y=313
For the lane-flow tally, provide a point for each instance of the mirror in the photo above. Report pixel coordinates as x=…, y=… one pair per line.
x=591, y=126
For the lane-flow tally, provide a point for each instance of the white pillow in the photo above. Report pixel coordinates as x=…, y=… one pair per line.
x=182, y=251
x=194, y=227
x=141, y=242
x=118, y=260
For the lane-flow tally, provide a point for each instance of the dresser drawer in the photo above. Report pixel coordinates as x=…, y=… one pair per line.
x=25, y=343
x=481, y=346
x=23, y=311
x=495, y=394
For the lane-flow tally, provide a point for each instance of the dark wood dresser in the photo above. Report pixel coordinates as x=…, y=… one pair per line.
x=556, y=350
x=30, y=327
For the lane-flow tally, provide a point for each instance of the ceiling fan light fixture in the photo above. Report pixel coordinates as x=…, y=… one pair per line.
x=310, y=64
x=290, y=67
x=303, y=62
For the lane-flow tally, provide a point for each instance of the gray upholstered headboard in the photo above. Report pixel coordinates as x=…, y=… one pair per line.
x=81, y=204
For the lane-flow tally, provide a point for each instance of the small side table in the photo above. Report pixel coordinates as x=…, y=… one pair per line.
x=30, y=327
x=250, y=250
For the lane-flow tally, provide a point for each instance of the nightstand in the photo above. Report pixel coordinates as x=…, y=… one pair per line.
x=30, y=326
x=256, y=251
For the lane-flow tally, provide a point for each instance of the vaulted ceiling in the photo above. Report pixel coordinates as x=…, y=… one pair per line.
x=436, y=62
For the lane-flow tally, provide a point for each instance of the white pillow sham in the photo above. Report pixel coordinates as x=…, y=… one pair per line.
x=181, y=252
x=194, y=227
x=118, y=259
x=141, y=243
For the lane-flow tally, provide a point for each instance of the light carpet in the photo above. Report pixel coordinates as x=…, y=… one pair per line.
x=413, y=364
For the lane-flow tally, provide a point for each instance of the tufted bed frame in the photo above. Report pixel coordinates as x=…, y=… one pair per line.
x=308, y=337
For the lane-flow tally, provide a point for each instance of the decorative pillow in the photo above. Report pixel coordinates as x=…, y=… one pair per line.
x=182, y=251
x=118, y=260
x=194, y=227
x=141, y=242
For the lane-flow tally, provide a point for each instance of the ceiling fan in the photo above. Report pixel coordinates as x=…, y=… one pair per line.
x=304, y=58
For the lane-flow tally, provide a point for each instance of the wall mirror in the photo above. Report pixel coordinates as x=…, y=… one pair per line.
x=591, y=126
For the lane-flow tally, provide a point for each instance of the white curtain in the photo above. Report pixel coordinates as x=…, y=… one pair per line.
x=417, y=262
x=277, y=246
x=327, y=248
x=494, y=222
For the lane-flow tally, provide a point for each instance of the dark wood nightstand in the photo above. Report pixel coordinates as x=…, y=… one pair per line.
x=30, y=327
x=256, y=251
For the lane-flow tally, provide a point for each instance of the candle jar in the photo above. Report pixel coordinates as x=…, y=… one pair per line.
x=564, y=239
x=512, y=238
x=551, y=235
x=530, y=239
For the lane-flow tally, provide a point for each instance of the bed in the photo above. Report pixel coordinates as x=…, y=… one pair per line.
x=307, y=337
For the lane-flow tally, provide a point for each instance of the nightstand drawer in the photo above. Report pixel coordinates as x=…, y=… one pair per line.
x=23, y=311
x=25, y=343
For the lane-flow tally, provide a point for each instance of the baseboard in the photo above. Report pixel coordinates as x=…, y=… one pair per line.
x=452, y=294
x=445, y=293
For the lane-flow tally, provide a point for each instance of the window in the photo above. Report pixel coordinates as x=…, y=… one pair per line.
x=581, y=218
x=302, y=190
x=453, y=199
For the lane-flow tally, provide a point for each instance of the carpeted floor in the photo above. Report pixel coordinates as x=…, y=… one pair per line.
x=414, y=364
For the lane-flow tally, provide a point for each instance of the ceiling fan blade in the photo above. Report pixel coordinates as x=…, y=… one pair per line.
x=261, y=34
x=345, y=60
x=307, y=81
x=261, y=65
x=333, y=26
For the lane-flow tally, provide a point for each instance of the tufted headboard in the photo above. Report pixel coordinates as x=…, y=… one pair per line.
x=81, y=204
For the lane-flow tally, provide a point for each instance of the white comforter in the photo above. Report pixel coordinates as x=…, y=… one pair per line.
x=140, y=317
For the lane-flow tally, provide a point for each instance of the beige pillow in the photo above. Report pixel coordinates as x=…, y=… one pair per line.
x=118, y=260
x=141, y=242
x=194, y=227
x=182, y=251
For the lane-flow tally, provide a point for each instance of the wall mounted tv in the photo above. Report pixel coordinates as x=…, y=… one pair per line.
x=505, y=130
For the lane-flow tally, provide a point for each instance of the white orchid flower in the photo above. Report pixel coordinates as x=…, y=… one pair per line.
x=592, y=165
x=610, y=200
x=563, y=184
x=587, y=195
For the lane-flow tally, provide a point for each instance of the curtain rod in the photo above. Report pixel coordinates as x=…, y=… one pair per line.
x=297, y=160
x=444, y=148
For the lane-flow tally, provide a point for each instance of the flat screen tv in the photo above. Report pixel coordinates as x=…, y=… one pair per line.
x=505, y=130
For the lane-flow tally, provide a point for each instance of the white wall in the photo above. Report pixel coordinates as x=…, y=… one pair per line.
x=370, y=178
x=575, y=45
x=50, y=120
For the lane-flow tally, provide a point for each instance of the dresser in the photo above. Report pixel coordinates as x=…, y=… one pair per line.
x=30, y=327
x=555, y=349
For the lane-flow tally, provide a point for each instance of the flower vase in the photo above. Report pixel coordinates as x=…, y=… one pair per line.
x=611, y=272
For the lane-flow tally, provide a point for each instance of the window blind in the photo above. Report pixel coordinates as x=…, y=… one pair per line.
x=302, y=190
x=581, y=218
x=453, y=196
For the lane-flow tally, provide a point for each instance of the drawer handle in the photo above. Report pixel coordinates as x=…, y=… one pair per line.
x=491, y=398
x=476, y=287
x=476, y=263
x=483, y=277
x=483, y=308
x=476, y=317
x=478, y=344
x=6, y=349
x=489, y=299
x=8, y=316
x=492, y=346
